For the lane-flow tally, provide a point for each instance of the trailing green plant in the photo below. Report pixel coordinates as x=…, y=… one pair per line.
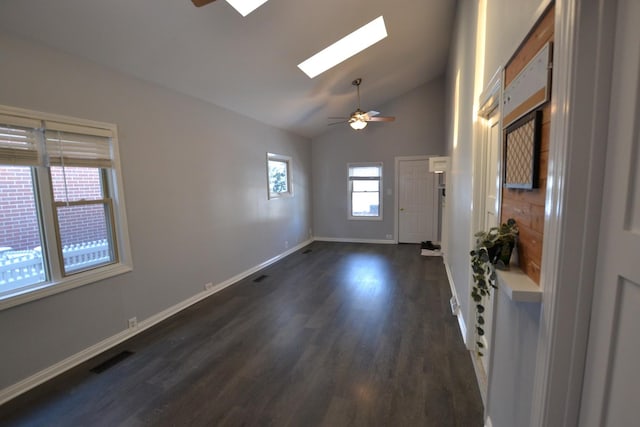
x=493, y=250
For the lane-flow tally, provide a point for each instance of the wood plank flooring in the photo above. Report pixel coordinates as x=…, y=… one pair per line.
x=345, y=335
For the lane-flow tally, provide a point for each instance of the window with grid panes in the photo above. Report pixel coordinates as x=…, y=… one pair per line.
x=62, y=218
x=365, y=190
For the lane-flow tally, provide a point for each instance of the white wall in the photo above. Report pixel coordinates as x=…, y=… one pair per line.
x=507, y=24
x=418, y=130
x=460, y=87
x=516, y=325
x=194, y=177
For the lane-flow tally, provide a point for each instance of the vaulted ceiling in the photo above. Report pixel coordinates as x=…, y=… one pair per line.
x=249, y=65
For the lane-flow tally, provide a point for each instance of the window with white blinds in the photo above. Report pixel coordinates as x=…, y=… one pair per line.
x=62, y=222
x=65, y=144
x=365, y=190
x=77, y=146
x=19, y=141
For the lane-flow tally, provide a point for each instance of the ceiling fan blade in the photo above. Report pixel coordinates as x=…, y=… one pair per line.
x=381, y=119
x=200, y=3
x=338, y=118
x=372, y=113
x=337, y=123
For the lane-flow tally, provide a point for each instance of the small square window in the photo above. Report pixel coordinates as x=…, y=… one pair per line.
x=279, y=176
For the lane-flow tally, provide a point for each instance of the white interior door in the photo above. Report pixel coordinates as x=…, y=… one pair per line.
x=611, y=388
x=491, y=180
x=418, y=214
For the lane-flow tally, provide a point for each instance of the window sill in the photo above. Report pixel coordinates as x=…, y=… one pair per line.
x=518, y=286
x=22, y=296
x=283, y=195
x=365, y=218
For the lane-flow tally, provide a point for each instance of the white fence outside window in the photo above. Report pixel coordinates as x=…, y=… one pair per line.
x=22, y=268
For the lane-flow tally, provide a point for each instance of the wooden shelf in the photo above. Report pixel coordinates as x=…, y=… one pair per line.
x=518, y=286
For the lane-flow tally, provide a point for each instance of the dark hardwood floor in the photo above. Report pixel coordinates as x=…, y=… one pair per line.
x=344, y=335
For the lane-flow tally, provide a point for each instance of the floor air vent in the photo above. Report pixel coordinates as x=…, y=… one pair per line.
x=260, y=278
x=307, y=251
x=111, y=362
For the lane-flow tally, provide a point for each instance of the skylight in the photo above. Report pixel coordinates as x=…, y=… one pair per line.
x=345, y=48
x=245, y=7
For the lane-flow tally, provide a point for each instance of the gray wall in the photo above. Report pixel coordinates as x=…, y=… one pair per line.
x=457, y=231
x=194, y=177
x=516, y=324
x=418, y=130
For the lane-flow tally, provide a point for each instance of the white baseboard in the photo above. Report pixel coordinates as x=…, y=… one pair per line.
x=475, y=360
x=64, y=365
x=52, y=371
x=354, y=240
x=459, y=314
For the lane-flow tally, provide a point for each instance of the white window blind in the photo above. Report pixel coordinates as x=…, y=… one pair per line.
x=357, y=172
x=70, y=145
x=19, y=141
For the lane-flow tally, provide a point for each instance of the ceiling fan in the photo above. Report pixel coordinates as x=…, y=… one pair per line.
x=359, y=119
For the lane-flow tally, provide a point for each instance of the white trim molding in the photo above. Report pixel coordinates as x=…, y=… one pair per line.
x=491, y=98
x=583, y=43
x=454, y=295
x=489, y=113
x=54, y=370
x=354, y=240
x=104, y=345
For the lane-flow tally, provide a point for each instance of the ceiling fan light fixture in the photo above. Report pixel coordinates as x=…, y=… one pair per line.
x=357, y=123
x=345, y=48
x=245, y=7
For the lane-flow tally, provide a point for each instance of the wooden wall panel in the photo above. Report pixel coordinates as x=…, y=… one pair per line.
x=527, y=206
x=530, y=252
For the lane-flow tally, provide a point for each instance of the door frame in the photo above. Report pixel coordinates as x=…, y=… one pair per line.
x=583, y=56
x=396, y=203
x=490, y=102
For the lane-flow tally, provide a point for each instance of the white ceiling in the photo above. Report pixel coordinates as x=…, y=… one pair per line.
x=249, y=65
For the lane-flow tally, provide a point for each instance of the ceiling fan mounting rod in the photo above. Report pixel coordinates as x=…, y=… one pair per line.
x=356, y=83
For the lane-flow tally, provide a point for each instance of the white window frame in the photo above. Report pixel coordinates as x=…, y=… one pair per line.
x=288, y=161
x=350, y=180
x=58, y=282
